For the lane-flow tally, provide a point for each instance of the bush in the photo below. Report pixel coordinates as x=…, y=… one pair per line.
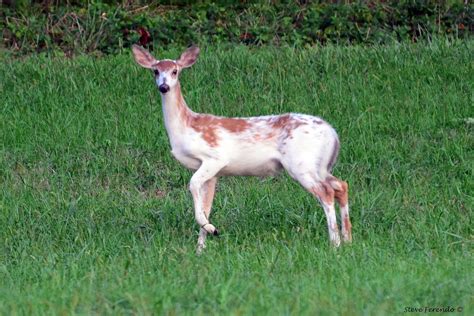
x=104, y=27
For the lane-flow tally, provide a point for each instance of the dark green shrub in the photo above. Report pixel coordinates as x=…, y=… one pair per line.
x=105, y=27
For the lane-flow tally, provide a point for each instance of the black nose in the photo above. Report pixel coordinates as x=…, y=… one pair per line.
x=164, y=88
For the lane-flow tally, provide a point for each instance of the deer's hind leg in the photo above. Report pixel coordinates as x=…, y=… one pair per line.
x=325, y=193
x=341, y=194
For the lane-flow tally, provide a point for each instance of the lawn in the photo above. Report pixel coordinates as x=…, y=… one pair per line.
x=96, y=218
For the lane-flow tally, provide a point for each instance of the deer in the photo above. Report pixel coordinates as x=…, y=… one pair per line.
x=306, y=146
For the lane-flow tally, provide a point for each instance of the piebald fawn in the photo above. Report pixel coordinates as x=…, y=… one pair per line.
x=305, y=146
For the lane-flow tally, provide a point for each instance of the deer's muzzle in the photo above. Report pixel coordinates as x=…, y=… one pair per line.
x=164, y=88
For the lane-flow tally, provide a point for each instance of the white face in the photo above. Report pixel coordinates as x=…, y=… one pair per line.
x=166, y=75
x=167, y=70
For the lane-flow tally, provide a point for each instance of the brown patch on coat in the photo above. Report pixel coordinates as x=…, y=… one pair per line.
x=209, y=124
x=280, y=121
x=201, y=124
x=286, y=123
x=347, y=228
x=206, y=125
x=324, y=192
x=342, y=196
x=347, y=225
x=234, y=125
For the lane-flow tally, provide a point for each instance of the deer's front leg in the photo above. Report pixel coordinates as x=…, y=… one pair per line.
x=208, y=191
x=206, y=172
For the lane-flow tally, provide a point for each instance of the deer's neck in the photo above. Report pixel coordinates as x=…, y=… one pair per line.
x=176, y=113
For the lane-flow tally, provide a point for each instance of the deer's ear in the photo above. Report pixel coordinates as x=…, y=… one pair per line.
x=189, y=57
x=143, y=57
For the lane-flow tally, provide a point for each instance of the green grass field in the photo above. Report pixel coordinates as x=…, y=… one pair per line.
x=96, y=218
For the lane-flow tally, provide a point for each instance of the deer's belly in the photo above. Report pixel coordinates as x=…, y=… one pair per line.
x=246, y=160
x=249, y=167
x=251, y=159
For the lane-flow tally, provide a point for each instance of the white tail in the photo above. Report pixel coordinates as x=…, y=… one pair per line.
x=305, y=146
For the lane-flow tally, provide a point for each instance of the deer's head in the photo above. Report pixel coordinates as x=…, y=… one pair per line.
x=166, y=71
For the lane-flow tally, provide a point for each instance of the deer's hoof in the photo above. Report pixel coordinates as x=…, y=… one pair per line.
x=210, y=229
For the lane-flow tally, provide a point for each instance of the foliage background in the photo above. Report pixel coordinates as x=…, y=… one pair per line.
x=73, y=27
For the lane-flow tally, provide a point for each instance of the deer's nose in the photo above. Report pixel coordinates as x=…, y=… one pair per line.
x=164, y=88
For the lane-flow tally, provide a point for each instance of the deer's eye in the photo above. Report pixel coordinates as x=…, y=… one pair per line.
x=157, y=73
x=175, y=72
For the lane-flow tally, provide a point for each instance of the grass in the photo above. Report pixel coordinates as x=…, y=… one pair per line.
x=95, y=216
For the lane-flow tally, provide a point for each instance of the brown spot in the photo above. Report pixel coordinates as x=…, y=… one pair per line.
x=347, y=229
x=287, y=123
x=319, y=122
x=324, y=192
x=208, y=125
x=234, y=125
x=347, y=224
x=281, y=121
x=205, y=124
x=202, y=120
x=342, y=196
x=165, y=65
